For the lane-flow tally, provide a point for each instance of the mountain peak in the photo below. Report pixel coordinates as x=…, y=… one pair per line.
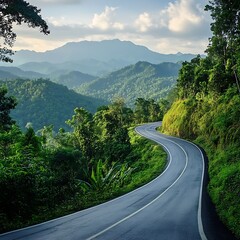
x=107, y=55
x=179, y=53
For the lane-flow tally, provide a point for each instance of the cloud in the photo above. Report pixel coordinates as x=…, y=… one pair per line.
x=56, y=21
x=105, y=20
x=181, y=26
x=183, y=16
x=144, y=22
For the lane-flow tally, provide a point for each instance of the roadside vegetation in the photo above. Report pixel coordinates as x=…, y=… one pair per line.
x=46, y=174
x=207, y=111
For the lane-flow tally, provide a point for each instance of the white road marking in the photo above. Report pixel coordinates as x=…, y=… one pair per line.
x=154, y=200
x=200, y=225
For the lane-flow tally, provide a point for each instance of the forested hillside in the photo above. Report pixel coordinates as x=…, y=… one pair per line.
x=50, y=174
x=71, y=79
x=141, y=80
x=207, y=109
x=14, y=72
x=42, y=102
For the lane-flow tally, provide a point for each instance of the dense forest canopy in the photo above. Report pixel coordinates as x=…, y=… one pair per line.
x=42, y=102
x=51, y=172
x=221, y=68
x=140, y=80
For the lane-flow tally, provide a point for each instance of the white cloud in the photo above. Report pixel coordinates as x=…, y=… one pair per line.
x=174, y=45
x=180, y=26
x=57, y=21
x=144, y=22
x=118, y=25
x=181, y=18
x=105, y=20
x=183, y=15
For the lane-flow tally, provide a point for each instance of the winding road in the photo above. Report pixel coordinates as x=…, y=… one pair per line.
x=168, y=208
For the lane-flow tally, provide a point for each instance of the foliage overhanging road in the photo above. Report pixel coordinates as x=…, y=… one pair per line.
x=167, y=208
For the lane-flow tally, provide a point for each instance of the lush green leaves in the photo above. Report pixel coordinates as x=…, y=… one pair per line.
x=50, y=172
x=17, y=12
x=6, y=105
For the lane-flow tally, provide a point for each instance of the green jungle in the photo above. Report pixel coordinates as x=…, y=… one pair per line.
x=46, y=174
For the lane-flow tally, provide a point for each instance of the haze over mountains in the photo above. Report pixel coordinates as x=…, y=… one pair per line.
x=91, y=57
x=101, y=71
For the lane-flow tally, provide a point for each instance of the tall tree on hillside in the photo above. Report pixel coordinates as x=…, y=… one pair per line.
x=226, y=26
x=7, y=103
x=111, y=123
x=17, y=11
x=83, y=133
x=224, y=45
x=141, y=110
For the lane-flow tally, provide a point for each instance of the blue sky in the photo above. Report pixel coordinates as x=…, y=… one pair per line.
x=163, y=26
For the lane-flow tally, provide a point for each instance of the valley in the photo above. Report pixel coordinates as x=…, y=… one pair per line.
x=77, y=105
x=97, y=82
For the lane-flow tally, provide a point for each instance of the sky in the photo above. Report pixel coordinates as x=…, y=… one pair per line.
x=164, y=26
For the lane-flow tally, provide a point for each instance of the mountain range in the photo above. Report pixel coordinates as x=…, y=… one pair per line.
x=15, y=72
x=91, y=57
x=97, y=71
x=43, y=102
x=140, y=80
x=71, y=79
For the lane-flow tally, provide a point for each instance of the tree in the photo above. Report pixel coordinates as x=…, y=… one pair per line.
x=154, y=110
x=226, y=16
x=6, y=104
x=66, y=167
x=141, y=110
x=224, y=44
x=111, y=124
x=83, y=132
x=31, y=144
x=17, y=11
x=194, y=77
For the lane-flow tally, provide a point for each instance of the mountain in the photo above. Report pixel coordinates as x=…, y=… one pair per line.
x=89, y=66
x=40, y=67
x=142, y=79
x=14, y=72
x=94, y=58
x=5, y=75
x=71, y=79
x=43, y=102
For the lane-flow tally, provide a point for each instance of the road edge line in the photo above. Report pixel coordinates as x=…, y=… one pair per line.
x=155, y=199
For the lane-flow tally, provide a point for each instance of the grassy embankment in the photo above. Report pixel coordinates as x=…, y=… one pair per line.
x=214, y=123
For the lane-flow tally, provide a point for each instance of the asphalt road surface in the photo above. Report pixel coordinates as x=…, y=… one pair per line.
x=171, y=207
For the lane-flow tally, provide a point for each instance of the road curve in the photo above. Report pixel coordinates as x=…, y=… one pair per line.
x=169, y=207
